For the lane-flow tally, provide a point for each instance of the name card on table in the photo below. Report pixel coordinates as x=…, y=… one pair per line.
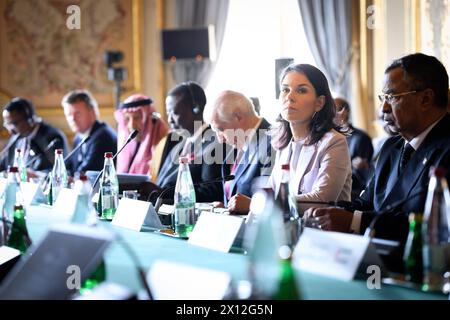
x=32, y=193
x=66, y=202
x=215, y=231
x=133, y=214
x=334, y=254
x=173, y=281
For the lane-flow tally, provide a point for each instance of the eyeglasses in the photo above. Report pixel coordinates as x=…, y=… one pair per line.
x=12, y=124
x=390, y=98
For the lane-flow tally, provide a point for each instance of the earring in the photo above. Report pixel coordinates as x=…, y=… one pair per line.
x=312, y=118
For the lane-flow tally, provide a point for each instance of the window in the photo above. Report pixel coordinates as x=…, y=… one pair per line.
x=257, y=33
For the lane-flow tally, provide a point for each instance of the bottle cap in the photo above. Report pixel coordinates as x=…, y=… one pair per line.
x=284, y=252
x=18, y=150
x=438, y=172
x=13, y=169
x=59, y=151
x=285, y=166
x=108, y=155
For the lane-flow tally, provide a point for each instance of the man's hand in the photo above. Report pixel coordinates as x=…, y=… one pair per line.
x=218, y=204
x=331, y=219
x=239, y=203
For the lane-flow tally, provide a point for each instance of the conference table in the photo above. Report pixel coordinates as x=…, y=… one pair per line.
x=150, y=247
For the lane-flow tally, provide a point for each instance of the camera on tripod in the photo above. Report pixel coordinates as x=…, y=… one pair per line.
x=116, y=74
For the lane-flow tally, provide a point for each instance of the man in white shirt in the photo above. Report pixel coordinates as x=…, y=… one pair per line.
x=36, y=139
x=192, y=138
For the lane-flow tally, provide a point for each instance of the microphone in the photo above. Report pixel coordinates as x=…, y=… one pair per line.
x=370, y=230
x=132, y=135
x=159, y=200
x=50, y=146
x=76, y=148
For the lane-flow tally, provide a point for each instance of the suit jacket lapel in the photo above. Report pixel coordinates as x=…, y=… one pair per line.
x=391, y=172
x=245, y=162
x=407, y=180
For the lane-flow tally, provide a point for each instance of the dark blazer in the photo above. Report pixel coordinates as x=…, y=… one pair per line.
x=103, y=139
x=42, y=154
x=257, y=161
x=207, y=148
x=387, y=187
x=360, y=145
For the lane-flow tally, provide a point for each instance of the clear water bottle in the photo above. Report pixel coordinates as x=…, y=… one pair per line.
x=20, y=164
x=84, y=212
x=58, y=177
x=270, y=270
x=109, y=189
x=184, y=201
x=288, y=207
x=436, y=249
x=9, y=201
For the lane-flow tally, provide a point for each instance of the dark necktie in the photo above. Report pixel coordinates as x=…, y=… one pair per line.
x=407, y=152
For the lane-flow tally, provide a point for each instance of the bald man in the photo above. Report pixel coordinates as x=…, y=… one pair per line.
x=235, y=122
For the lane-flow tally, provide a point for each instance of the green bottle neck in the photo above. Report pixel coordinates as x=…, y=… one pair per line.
x=19, y=212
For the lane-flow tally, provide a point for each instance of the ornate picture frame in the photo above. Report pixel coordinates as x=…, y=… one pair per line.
x=42, y=59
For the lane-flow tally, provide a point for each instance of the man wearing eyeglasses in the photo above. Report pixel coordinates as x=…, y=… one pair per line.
x=414, y=104
x=36, y=139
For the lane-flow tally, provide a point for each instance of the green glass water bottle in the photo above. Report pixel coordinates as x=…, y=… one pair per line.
x=413, y=250
x=19, y=237
x=97, y=277
x=287, y=287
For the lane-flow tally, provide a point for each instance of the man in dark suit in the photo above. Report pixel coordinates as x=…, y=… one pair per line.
x=359, y=146
x=36, y=139
x=235, y=122
x=184, y=105
x=81, y=111
x=414, y=103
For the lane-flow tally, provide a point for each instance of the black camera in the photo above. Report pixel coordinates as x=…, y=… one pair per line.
x=117, y=74
x=112, y=57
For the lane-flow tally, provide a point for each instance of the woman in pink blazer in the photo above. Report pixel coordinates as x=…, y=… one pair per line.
x=306, y=137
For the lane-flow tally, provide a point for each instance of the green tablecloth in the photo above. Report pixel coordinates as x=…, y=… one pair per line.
x=150, y=246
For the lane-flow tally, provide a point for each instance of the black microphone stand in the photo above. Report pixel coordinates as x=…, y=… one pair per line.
x=131, y=137
x=51, y=145
x=77, y=148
